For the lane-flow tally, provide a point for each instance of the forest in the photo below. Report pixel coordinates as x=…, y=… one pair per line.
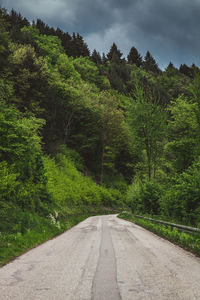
x=82, y=132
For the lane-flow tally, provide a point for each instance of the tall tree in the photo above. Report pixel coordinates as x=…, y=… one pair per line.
x=114, y=53
x=118, y=73
x=104, y=59
x=4, y=42
x=184, y=69
x=183, y=134
x=171, y=70
x=29, y=75
x=134, y=57
x=96, y=57
x=149, y=126
x=111, y=124
x=150, y=63
x=80, y=48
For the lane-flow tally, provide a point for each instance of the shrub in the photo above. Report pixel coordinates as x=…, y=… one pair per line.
x=143, y=197
x=182, y=199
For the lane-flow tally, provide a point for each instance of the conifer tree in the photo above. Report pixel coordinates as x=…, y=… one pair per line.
x=150, y=63
x=66, y=40
x=41, y=26
x=114, y=51
x=96, y=57
x=16, y=22
x=184, y=69
x=134, y=57
x=104, y=59
x=80, y=48
x=171, y=70
x=4, y=40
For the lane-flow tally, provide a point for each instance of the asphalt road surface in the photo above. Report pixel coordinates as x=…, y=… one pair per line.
x=103, y=258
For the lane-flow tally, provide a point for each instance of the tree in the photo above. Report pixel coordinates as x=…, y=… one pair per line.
x=171, y=83
x=4, y=42
x=150, y=64
x=16, y=22
x=104, y=59
x=90, y=73
x=29, y=77
x=118, y=73
x=111, y=119
x=20, y=143
x=148, y=124
x=96, y=57
x=66, y=40
x=114, y=53
x=80, y=48
x=134, y=57
x=183, y=131
x=171, y=70
x=184, y=69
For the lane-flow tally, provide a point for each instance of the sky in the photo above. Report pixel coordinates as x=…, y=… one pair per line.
x=169, y=29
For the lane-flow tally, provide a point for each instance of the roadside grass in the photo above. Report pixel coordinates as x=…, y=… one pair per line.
x=187, y=241
x=42, y=229
x=15, y=244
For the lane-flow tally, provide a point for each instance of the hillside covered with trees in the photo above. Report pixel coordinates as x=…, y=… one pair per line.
x=81, y=131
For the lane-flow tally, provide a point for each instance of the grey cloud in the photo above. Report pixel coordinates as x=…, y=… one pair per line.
x=169, y=29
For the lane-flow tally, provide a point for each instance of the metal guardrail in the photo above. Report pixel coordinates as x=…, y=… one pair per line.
x=181, y=227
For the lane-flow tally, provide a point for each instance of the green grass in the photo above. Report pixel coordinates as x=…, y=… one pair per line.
x=41, y=229
x=189, y=242
x=15, y=244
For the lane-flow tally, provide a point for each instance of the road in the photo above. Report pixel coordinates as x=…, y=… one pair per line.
x=103, y=258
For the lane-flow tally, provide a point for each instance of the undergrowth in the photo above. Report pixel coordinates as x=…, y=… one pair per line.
x=189, y=242
x=41, y=230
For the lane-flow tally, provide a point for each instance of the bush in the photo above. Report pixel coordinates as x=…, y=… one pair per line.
x=143, y=197
x=182, y=199
x=73, y=192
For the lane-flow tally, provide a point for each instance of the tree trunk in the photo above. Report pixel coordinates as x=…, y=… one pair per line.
x=67, y=127
x=102, y=158
x=148, y=150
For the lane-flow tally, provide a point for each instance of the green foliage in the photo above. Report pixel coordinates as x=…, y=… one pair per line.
x=20, y=142
x=148, y=122
x=183, y=128
x=50, y=46
x=143, y=197
x=66, y=68
x=4, y=42
x=150, y=64
x=89, y=72
x=29, y=77
x=56, y=100
x=8, y=184
x=134, y=57
x=114, y=51
x=96, y=58
x=31, y=231
x=72, y=156
x=113, y=131
x=71, y=191
x=181, y=199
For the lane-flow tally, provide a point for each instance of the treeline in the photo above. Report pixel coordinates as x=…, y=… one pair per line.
x=77, y=129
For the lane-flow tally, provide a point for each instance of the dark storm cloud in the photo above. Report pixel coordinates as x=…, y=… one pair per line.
x=169, y=29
